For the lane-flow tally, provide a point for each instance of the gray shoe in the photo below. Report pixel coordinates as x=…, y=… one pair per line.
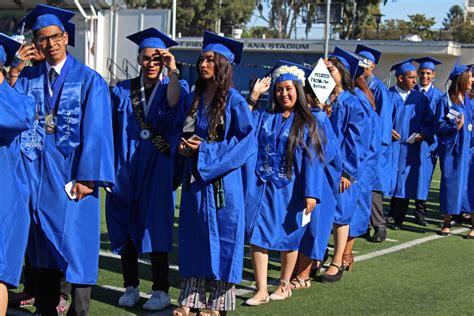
x=130, y=297
x=159, y=300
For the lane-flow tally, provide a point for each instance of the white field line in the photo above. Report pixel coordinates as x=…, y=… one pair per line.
x=249, y=289
x=403, y=246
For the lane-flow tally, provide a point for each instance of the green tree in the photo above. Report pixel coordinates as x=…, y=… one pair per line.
x=421, y=25
x=464, y=33
x=195, y=16
x=356, y=14
x=454, y=18
x=394, y=29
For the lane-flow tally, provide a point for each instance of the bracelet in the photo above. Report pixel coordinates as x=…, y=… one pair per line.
x=251, y=101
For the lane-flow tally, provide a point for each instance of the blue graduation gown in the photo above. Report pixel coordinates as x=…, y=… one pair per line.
x=65, y=234
x=433, y=95
x=16, y=115
x=384, y=109
x=468, y=200
x=316, y=237
x=361, y=218
x=274, y=204
x=141, y=204
x=410, y=174
x=350, y=124
x=453, y=149
x=211, y=240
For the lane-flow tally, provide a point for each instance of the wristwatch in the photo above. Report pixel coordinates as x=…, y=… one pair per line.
x=174, y=71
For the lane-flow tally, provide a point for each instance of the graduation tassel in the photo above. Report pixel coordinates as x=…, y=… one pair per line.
x=219, y=195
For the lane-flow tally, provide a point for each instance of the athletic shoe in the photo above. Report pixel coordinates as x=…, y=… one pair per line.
x=159, y=300
x=130, y=297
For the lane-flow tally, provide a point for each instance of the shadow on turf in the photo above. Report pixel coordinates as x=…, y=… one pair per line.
x=110, y=297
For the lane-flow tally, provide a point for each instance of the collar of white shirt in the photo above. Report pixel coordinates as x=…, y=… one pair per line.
x=427, y=88
x=57, y=67
x=403, y=93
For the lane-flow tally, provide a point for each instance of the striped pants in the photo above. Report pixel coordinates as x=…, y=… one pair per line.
x=221, y=294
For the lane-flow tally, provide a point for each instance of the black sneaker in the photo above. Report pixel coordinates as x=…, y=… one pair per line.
x=421, y=222
x=380, y=234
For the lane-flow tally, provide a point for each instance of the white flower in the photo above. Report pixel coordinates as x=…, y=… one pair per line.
x=292, y=70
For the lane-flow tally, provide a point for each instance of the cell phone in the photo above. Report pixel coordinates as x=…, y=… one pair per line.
x=195, y=137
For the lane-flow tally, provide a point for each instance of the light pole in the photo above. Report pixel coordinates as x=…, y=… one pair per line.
x=378, y=20
x=173, y=27
x=326, y=33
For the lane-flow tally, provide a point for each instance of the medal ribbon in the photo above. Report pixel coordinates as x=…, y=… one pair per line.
x=157, y=140
x=50, y=101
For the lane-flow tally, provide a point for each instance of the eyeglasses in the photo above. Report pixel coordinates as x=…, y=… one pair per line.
x=43, y=40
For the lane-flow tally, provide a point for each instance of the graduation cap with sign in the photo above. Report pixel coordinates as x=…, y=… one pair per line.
x=227, y=47
x=152, y=38
x=8, y=49
x=368, y=53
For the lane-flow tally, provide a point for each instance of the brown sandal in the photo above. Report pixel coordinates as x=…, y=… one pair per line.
x=209, y=312
x=183, y=312
x=297, y=283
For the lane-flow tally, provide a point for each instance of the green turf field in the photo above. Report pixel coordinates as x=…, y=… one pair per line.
x=434, y=277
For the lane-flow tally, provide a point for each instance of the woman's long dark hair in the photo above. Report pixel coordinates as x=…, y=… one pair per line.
x=459, y=86
x=303, y=117
x=362, y=85
x=346, y=78
x=223, y=72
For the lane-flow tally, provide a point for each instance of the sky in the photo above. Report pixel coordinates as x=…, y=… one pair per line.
x=394, y=9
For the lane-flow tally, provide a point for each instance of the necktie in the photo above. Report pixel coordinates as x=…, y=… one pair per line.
x=423, y=91
x=52, y=75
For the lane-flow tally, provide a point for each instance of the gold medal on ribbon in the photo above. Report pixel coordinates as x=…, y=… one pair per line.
x=50, y=123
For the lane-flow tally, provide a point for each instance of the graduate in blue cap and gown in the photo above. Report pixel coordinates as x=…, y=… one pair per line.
x=384, y=108
x=412, y=135
x=216, y=138
x=284, y=178
x=68, y=155
x=16, y=115
x=360, y=220
x=350, y=124
x=427, y=75
x=454, y=125
x=140, y=207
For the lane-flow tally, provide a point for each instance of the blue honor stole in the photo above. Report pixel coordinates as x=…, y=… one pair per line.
x=272, y=141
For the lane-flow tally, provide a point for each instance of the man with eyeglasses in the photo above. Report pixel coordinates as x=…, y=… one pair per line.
x=140, y=207
x=67, y=154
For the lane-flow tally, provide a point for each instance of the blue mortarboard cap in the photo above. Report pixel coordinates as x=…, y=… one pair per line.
x=71, y=32
x=457, y=70
x=44, y=16
x=403, y=67
x=152, y=38
x=369, y=53
x=428, y=63
x=229, y=48
x=8, y=48
x=286, y=70
x=350, y=61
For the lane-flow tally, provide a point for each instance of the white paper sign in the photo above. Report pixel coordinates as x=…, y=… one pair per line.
x=321, y=81
x=68, y=188
x=306, y=218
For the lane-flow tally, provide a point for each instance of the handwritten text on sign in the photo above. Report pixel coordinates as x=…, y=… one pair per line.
x=321, y=81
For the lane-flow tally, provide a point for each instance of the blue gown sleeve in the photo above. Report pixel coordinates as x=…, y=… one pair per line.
x=427, y=122
x=96, y=157
x=354, y=147
x=445, y=127
x=218, y=158
x=313, y=172
x=384, y=110
x=16, y=112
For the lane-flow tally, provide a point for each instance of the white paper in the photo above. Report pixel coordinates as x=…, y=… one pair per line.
x=321, y=81
x=412, y=138
x=306, y=218
x=452, y=114
x=68, y=188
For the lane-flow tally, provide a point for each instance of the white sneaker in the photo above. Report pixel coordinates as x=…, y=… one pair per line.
x=130, y=297
x=159, y=300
